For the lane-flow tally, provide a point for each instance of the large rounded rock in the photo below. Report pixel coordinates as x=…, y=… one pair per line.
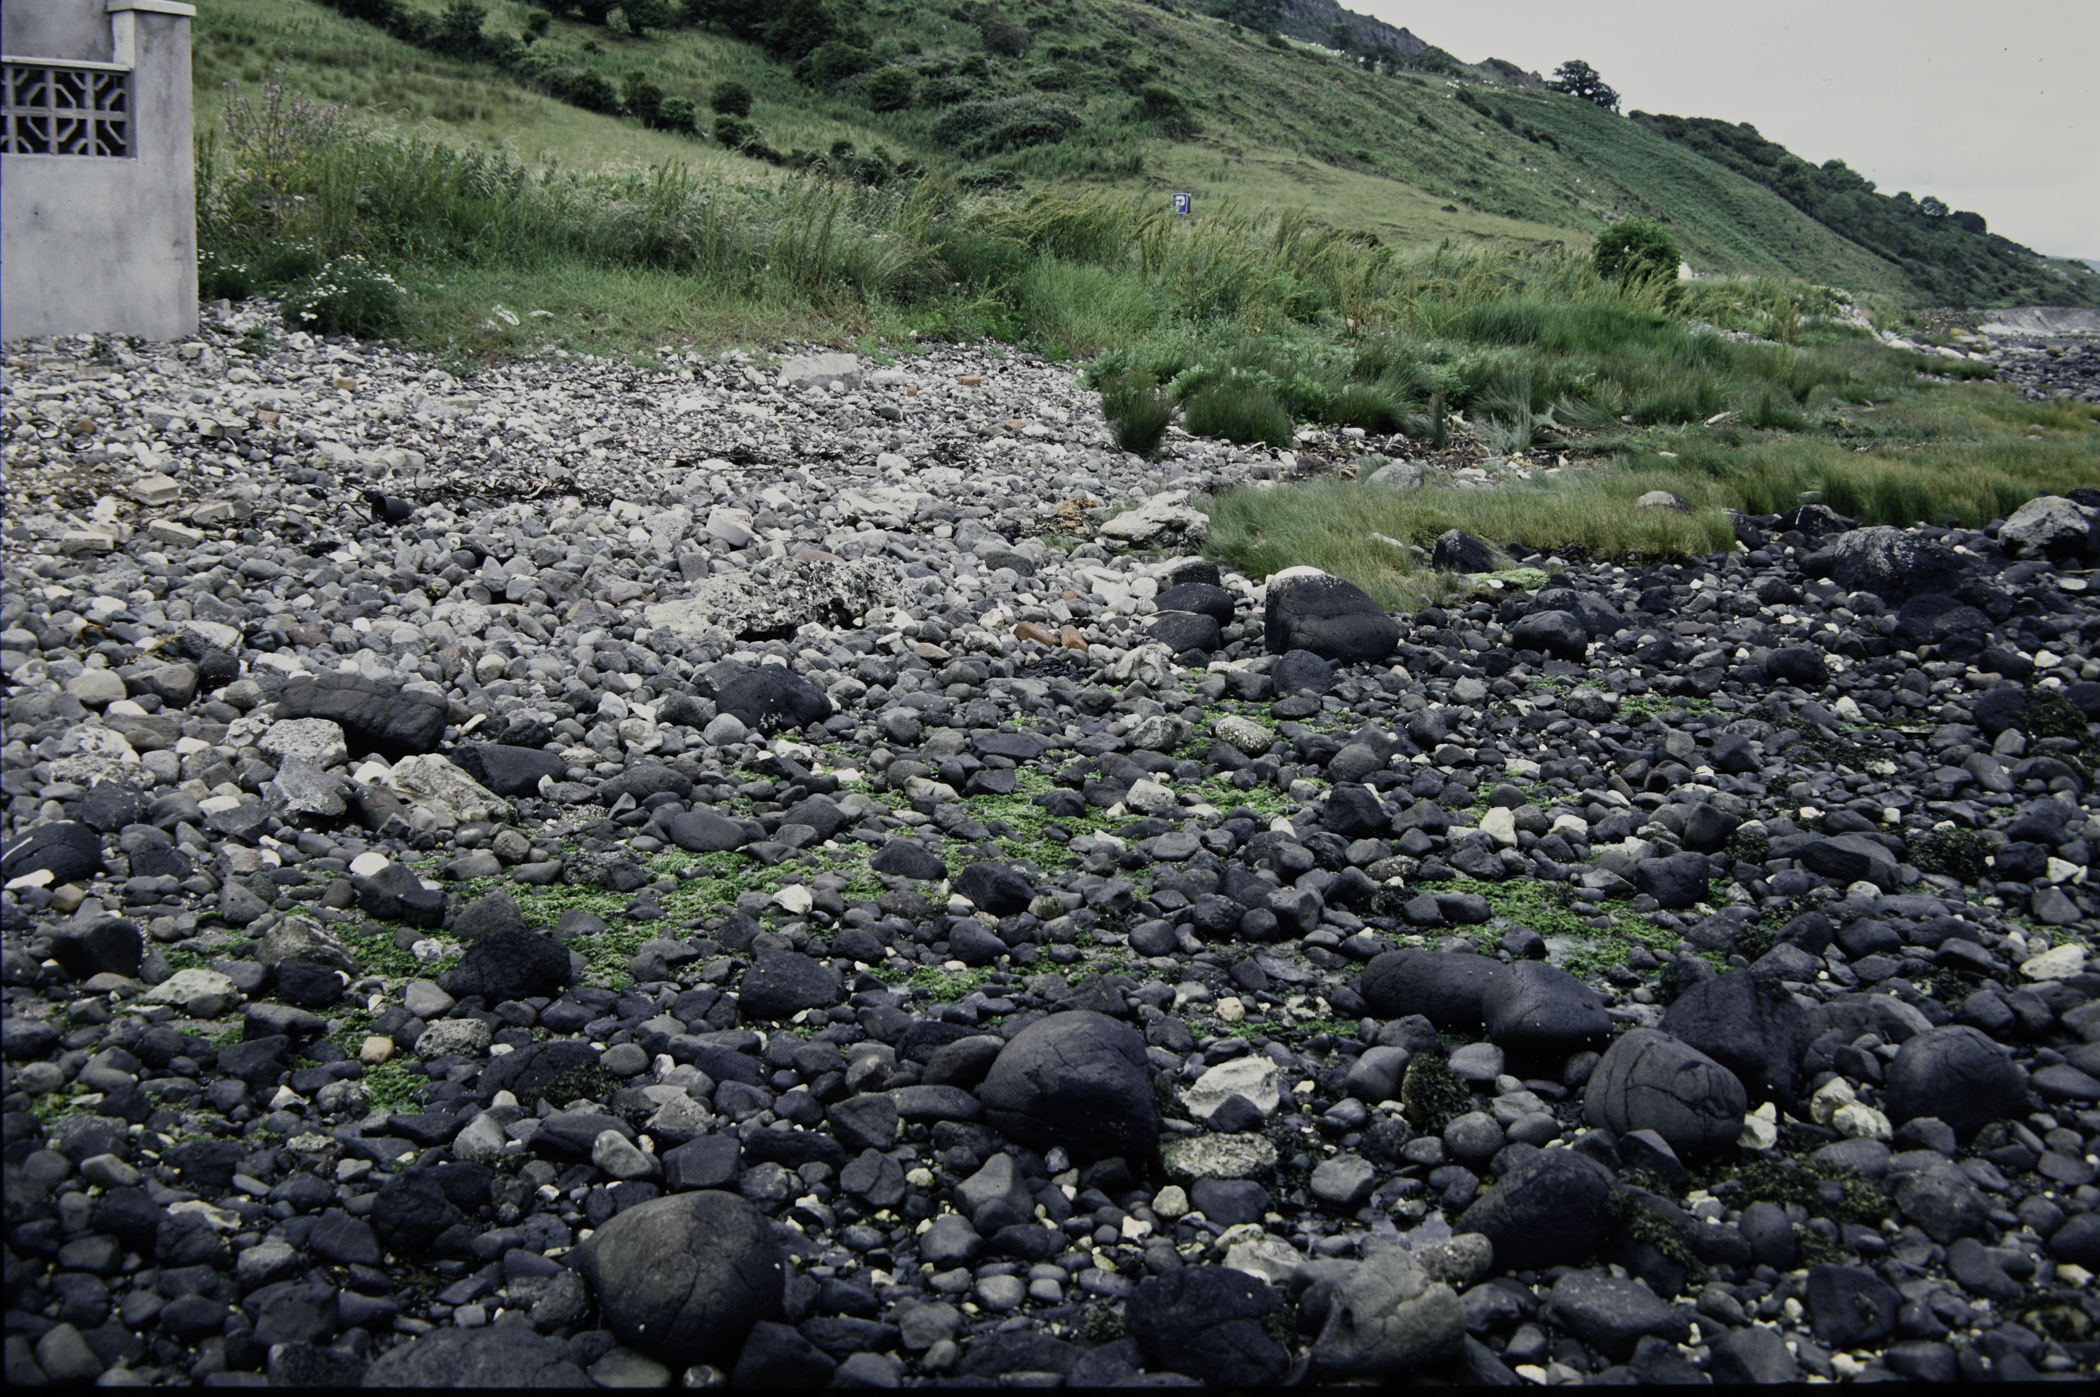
x=511, y=963
x=375, y=716
x=1538, y=1010
x=1182, y=631
x=1650, y=1081
x=1445, y=987
x=2049, y=525
x=1208, y=1322
x=773, y=697
x=508, y=771
x=1399, y=1310
x=1548, y=1211
x=68, y=850
x=1558, y=634
x=1311, y=610
x=1893, y=564
x=1753, y=1028
x=500, y=1356
x=1798, y=664
x=781, y=984
x=1074, y=1078
x=685, y=1278
x=1956, y=1074
x=1200, y=597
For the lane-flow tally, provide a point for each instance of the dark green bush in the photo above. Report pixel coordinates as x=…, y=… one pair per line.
x=1636, y=249
x=830, y=64
x=1164, y=108
x=678, y=114
x=643, y=99
x=735, y=132
x=946, y=91
x=1004, y=123
x=1001, y=35
x=593, y=92
x=891, y=89
x=1138, y=410
x=730, y=98
x=347, y=297
x=1239, y=412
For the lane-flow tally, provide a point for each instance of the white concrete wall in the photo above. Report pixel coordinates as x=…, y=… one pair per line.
x=73, y=29
x=91, y=244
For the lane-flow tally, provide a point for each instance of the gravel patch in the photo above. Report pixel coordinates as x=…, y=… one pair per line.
x=829, y=809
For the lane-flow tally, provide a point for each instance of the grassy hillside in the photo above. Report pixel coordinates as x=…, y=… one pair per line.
x=1948, y=255
x=1262, y=122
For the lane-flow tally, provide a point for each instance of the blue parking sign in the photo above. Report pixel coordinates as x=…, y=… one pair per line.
x=1181, y=205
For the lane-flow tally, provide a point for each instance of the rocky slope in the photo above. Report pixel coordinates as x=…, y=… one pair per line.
x=604, y=876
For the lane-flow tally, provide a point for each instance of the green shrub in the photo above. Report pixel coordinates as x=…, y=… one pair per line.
x=678, y=114
x=1240, y=413
x=594, y=92
x=946, y=91
x=643, y=99
x=736, y=133
x=1004, y=123
x=1634, y=250
x=1001, y=35
x=347, y=297
x=1138, y=411
x=1164, y=108
x=891, y=89
x=830, y=64
x=730, y=98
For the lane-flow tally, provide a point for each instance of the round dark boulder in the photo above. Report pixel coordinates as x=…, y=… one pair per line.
x=1537, y=1010
x=773, y=697
x=412, y=1212
x=1650, y=1081
x=705, y=832
x=67, y=849
x=1548, y=1211
x=1311, y=610
x=1894, y=564
x=304, y=985
x=907, y=858
x=1798, y=664
x=1208, y=1322
x=1076, y=1077
x=1182, y=631
x=1557, y=634
x=995, y=888
x=684, y=1278
x=511, y=963
x=1445, y=987
x=1754, y=1029
x=1200, y=597
x=1300, y=671
x=1956, y=1074
x=781, y=984
x=506, y=770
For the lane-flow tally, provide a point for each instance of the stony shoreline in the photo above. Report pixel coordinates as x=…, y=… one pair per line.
x=787, y=876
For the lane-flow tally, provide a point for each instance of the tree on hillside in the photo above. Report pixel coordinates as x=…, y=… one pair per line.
x=1341, y=37
x=1635, y=250
x=1579, y=79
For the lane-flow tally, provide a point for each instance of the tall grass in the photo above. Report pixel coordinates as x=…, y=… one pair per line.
x=1337, y=525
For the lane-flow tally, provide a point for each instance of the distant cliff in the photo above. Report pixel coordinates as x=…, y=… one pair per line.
x=1314, y=21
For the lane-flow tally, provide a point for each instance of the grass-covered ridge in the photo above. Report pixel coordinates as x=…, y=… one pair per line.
x=1115, y=92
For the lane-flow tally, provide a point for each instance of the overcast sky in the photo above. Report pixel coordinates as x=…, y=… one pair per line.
x=1995, y=108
